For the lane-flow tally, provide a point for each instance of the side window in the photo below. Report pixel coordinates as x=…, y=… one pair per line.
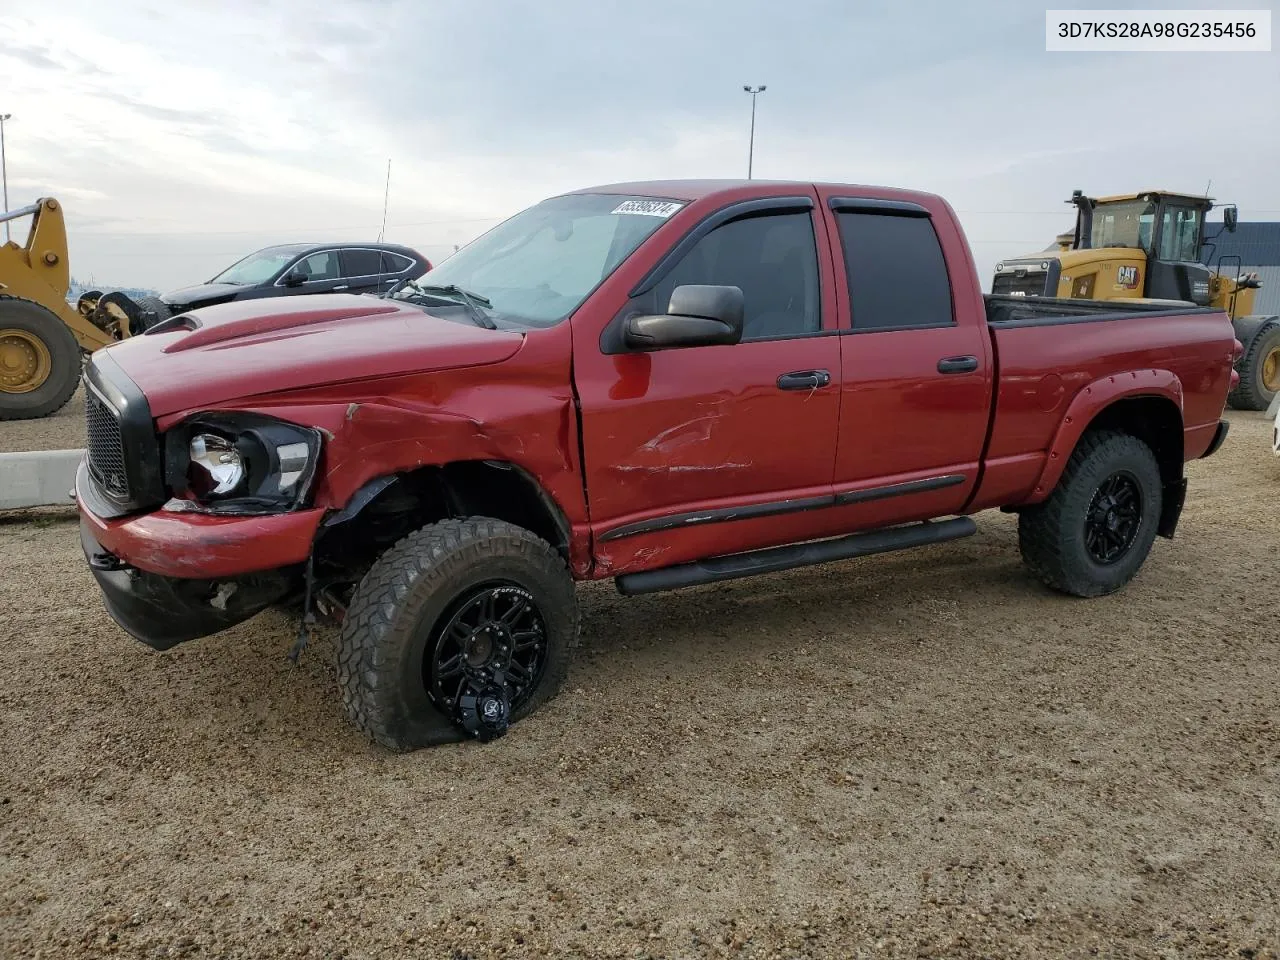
x=897, y=275
x=361, y=263
x=774, y=260
x=1179, y=234
x=394, y=263
x=319, y=266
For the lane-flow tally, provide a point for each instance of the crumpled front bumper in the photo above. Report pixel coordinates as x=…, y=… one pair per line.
x=165, y=611
x=172, y=577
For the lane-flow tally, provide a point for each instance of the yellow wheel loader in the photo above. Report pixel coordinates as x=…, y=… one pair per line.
x=43, y=339
x=1149, y=246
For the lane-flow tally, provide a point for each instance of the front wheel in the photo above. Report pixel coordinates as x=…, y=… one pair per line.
x=462, y=627
x=1093, y=533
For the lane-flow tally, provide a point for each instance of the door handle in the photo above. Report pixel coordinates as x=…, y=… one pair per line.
x=345, y=286
x=958, y=365
x=804, y=380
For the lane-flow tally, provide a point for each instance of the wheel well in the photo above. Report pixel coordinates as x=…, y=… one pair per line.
x=387, y=508
x=1156, y=421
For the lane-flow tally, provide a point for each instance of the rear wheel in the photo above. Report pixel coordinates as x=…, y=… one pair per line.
x=1259, y=372
x=40, y=361
x=462, y=627
x=1095, y=530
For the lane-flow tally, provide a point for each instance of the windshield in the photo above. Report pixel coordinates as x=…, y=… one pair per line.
x=257, y=267
x=1126, y=223
x=536, y=268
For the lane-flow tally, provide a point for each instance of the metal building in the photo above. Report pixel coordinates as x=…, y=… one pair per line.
x=1253, y=248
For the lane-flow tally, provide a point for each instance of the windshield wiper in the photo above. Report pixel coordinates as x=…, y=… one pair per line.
x=472, y=301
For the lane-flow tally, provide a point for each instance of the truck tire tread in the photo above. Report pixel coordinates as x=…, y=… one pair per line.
x=65, y=354
x=1050, y=534
x=378, y=631
x=151, y=312
x=1250, y=394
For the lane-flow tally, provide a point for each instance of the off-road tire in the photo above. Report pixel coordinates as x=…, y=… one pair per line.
x=151, y=311
x=1252, y=393
x=65, y=359
x=1051, y=535
x=397, y=604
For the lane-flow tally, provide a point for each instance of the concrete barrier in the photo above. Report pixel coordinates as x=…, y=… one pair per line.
x=38, y=478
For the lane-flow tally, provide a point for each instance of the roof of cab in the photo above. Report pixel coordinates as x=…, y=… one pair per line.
x=1197, y=197
x=690, y=190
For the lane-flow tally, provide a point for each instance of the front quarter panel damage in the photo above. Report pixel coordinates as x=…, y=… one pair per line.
x=520, y=411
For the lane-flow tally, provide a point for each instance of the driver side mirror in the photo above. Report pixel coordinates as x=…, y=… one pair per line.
x=1230, y=217
x=294, y=279
x=698, y=315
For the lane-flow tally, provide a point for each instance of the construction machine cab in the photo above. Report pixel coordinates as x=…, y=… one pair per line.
x=1167, y=228
x=1153, y=245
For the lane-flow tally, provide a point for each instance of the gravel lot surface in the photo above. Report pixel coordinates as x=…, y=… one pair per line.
x=918, y=755
x=63, y=431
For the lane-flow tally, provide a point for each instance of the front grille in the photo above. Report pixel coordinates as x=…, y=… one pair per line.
x=106, y=446
x=1027, y=285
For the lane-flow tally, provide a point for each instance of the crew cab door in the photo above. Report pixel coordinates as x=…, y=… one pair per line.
x=697, y=451
x=915, y=361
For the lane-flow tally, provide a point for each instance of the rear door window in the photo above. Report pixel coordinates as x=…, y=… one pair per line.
x=897, y=275
x=361, y=263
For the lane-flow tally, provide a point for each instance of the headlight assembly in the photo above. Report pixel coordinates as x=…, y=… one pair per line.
x=239, y=463
x=216, y=467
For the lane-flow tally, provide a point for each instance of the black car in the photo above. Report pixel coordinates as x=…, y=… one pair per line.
x=298, y=268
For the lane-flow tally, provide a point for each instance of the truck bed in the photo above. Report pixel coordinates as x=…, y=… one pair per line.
x=1049, y=351
x=1005, y=309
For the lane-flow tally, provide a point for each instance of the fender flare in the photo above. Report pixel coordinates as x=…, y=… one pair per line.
x=1084, y=408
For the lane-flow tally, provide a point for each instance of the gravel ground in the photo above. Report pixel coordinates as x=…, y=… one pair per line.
x=919, y=755
x=63, y=431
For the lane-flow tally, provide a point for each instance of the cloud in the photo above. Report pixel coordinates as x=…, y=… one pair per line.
x=32, y=57
x=184, y=135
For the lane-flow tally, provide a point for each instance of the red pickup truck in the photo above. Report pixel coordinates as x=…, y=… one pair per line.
x=666, y=383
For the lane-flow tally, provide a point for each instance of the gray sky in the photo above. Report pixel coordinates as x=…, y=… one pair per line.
x=183, y=135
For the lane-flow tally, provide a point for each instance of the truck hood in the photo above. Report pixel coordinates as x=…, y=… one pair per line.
x=188, y=298
x=253, y=347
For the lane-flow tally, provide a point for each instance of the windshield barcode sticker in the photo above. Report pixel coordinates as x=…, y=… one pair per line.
x=648, y=208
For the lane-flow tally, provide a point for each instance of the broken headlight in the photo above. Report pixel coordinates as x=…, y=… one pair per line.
x=239, y=463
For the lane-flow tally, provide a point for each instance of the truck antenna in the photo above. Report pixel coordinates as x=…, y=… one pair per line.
x=386, y=195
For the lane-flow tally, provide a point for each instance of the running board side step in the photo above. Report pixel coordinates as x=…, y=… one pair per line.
x=737, y=565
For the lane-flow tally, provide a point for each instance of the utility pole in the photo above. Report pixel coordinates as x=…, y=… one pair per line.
x=751, y=144
x=4, y=173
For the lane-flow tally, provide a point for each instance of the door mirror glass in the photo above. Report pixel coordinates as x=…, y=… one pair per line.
x=1230, y=217
x=294, y=279
x=698, y=315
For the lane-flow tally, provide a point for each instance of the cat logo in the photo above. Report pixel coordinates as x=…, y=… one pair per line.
x=1127, y=277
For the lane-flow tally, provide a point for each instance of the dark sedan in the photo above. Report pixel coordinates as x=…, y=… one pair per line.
x=302, y=268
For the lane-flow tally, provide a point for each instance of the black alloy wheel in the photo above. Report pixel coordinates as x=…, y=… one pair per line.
x=1114, y=515
x=495, y=636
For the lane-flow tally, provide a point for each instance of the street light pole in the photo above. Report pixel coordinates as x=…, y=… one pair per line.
x=751, y=144
x=4, y=173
